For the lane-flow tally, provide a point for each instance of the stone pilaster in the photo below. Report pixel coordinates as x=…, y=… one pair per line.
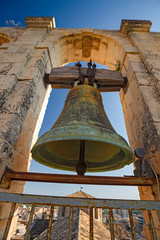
x=141, y=100
x=23, y=98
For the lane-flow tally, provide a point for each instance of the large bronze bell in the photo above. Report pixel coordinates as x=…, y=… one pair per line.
x=82, y=138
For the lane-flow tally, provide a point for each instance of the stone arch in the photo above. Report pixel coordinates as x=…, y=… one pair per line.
x=140, y=98
x=104, y=48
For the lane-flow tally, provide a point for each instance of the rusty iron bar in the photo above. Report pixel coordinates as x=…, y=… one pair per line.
x=132, y=224
x=79, y=202
x=50, y=222
x=75, y=179
x=5, y=235
x=111, y=222
x=70, y=223
x=28, y=227
x=151, y=224
x=91, y=223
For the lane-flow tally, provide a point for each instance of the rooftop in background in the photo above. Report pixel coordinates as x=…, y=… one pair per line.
x=80, y=194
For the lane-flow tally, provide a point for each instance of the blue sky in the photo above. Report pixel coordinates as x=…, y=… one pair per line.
x=100, y=14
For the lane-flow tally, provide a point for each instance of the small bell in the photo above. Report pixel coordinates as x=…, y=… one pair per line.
x=82, y=138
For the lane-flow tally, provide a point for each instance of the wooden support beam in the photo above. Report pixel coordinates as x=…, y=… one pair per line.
x=74, y=179
x=106, y=80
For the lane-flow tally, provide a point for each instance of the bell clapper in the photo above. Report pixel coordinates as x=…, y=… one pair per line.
x=81, y=166
x=86, y=81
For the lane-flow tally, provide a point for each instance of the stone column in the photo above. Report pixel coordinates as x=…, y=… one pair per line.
x=23, y=99
x=141, y=102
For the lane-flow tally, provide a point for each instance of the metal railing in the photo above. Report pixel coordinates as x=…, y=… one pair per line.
x=72, y=203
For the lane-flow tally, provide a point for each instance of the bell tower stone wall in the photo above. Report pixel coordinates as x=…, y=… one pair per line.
x=23, y=99
x=26, y=54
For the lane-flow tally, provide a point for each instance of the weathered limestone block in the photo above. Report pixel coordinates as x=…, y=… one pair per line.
x=6, y=151
x=149, y=51
x=32, y=37
x=5, y=68
x=36, y=67
x=143, y=100
x=95, y=48
x=78, y=47
x=152, y=99
x=70, y=48
x=131, y=57
x=60, y=48
x=87, y=41
x=102, y=52
x=14, y=58
x=128, y=26
x=156, y=78
x=19, y=99
x=143, y=79
x=12, y=34
x=4, y=38
x=153, y=63
x=20, y=162
x=8, y=79
x=35, y=71
x=135, y=67
x=40, y=22
x=10, y=127
x=16, y=69
x=24, y=142
x=14, y=48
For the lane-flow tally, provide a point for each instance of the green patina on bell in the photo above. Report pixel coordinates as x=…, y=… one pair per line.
x=83, y=119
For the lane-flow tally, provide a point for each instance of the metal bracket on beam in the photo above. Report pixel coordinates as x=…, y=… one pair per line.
x=5, y=180
x=10, y=175
x=125, y=82
x=46, y=77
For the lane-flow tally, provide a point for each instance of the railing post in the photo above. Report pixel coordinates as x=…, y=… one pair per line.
x=91, y=223
x=9, y=221
x=111, y=221
x=132, y=224
x=151, y=224
x=70, y=223
x=28, y=227
x=50, y=222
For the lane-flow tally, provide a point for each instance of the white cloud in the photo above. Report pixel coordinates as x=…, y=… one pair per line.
x=11, y=23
